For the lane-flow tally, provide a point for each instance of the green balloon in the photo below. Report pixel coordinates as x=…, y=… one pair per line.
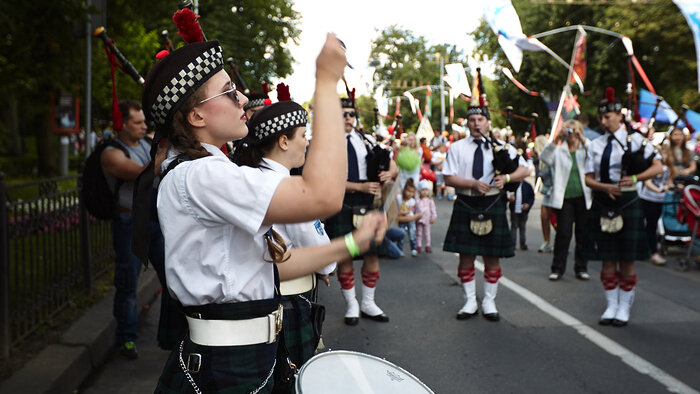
x=408, y=159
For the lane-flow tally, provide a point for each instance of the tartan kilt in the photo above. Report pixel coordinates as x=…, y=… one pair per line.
x=341, y=223
x=224, y=369
x=172, y=325
x=298, y=327
x=628, y=244
x=459, y=239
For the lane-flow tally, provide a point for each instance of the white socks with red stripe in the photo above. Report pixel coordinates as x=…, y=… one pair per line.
x=347, y=284
x=470, y=305
x=488, y=304
x=369, y=284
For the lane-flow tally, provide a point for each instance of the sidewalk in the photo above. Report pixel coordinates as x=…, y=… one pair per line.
x=83, y=349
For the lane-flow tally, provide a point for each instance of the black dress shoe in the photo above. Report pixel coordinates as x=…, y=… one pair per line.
x=492, y=316
x=380, y=318
x=605, y=322
x=352, y=321
x=618, y=323
x=465, y=315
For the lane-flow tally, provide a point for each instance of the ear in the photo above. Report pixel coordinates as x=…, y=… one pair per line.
x=196, y=118
x=283, y=142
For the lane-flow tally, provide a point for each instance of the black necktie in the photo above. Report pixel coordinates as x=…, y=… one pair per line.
x=478, y=164
x=605, y=162
x=353, y=169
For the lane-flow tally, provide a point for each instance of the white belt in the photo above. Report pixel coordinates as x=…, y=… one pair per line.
x=298, y=285
x=473, y=193
x=236, y=332
x=632, y=188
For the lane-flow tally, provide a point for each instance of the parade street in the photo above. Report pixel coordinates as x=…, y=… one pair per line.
x=548, y=339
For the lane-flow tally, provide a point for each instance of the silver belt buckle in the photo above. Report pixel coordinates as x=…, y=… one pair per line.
x=194, y=362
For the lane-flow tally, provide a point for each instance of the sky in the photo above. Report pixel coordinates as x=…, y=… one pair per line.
x=358, y=22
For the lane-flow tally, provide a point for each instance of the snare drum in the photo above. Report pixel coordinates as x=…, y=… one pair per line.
x=343, y=371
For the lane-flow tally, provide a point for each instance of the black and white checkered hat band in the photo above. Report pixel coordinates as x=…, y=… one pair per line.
x=280, y=123
x=202, y=67
x=255, y=103
x=610, y=107
x=477, y=111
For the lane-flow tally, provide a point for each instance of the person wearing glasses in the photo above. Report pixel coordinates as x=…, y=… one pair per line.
x=216, y=219
x=565, y=155
x=361, y=189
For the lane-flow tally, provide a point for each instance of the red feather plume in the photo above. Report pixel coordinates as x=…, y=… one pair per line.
x=265, y=88
x=610, y=94
x=283, y=92
x=162, y=54
x=267, y=101
x=187, y=26
x=352, y=94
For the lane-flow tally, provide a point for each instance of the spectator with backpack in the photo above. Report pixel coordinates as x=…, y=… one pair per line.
x=121, y=160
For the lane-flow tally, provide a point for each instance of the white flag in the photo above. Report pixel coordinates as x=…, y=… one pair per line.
x=457, y=79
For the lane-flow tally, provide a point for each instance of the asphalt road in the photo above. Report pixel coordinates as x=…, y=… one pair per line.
x=548, y=339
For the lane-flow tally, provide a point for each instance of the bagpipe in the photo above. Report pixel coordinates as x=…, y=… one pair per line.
x=502, y=162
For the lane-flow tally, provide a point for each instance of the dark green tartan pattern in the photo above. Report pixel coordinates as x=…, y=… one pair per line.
x=298, y=328
x=341, y=223
x=628, y=244
x=172, y=325
x=224, y=369
x=460, y=239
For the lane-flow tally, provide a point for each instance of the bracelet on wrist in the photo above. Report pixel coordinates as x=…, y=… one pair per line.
x=507, y=178
x=350, y=243
x=634, y=179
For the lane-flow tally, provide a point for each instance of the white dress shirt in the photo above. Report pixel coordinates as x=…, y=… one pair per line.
x=360, y=152
x=299, y=235
x=211, y=212
x=597, y=146
x=461, y=155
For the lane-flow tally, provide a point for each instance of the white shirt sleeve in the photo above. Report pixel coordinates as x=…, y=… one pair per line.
x=241, y=196
x=451, y=165
x=309, y=234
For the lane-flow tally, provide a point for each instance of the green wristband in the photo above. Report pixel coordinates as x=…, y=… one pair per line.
x=634, y=179
x=352, y=245
x=507, y=178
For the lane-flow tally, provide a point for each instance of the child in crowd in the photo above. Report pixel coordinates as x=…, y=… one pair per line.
x=439, y=156
x=426, y=206
x=408, y=214
x=520, y=203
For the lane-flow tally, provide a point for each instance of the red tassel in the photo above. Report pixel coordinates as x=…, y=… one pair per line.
x=162, y=54
x=352, y=94
x=267, y=101
x=610, y=94
x=283, y=92
x=265, y=88
x=187, y=26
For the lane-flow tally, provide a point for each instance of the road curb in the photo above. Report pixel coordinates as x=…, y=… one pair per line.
x=62, y=367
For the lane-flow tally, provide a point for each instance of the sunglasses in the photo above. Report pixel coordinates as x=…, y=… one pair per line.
x=349, y=114
x=231, y=93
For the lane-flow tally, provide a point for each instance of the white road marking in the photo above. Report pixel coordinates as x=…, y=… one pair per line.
x=627, y=356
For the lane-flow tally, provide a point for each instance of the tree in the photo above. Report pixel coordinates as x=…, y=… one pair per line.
x=662, y=42
x=48, y=55
x=408, y=62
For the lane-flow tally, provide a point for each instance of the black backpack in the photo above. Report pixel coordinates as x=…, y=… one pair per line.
x=98, y=198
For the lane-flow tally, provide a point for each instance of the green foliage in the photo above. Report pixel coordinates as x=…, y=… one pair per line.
x=42, y=50
x=365, y=107
x=408, y=61
x=662, y=41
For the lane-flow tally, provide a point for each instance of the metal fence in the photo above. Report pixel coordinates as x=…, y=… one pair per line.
x=51, y=251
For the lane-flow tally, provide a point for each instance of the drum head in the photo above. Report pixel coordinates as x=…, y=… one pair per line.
x=342, y=371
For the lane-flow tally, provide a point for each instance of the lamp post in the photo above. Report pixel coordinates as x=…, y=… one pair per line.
x=442, y=94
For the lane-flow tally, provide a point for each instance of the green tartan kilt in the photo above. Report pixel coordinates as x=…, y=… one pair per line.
x=341, y=223
x=460, y=239
x=628, y=244
x=224, y=369
x=298, y=327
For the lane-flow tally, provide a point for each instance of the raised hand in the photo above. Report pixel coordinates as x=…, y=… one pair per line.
x=331, y=62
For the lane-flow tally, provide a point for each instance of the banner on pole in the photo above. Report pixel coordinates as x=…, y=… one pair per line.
x=691, y=12
x=505, y=23
x=457, y=79
x=579, y=59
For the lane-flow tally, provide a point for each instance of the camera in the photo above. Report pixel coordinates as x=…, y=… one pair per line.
x=568, y=131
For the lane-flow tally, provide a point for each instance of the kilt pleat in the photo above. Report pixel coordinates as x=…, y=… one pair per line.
x=224, y=369
x=298, y=327
x=628, y=244
x=460, y=239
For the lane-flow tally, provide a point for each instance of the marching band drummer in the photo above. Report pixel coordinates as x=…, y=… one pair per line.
x=280, y=149
x=361, y=188
x=469, y=168
x=616, y=227
x=216, y=219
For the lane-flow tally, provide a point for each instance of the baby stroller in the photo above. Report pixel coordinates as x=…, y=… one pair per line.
x=670, y=229
x=689, y=213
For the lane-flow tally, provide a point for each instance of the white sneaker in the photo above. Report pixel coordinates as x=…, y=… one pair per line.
x=414, y=253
